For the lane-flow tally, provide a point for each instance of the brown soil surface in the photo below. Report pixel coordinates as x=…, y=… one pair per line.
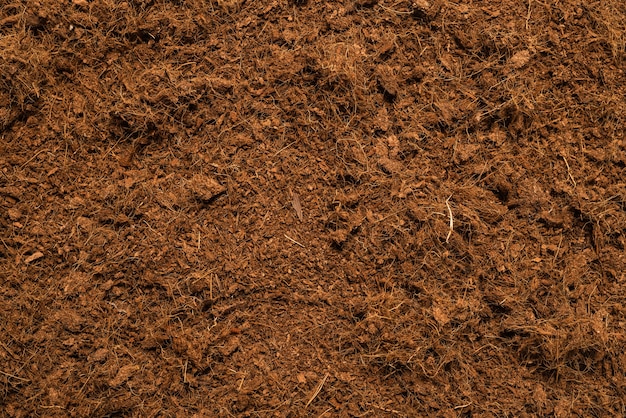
x=302, y=208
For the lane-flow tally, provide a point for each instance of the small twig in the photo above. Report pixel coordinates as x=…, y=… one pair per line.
x=399, y=12
x=556, y=253
x=569, y=171
x=297, y=205
x=317, y=390
x=294, y=241
x=211, y=288
x=33, y=157
x=5, y=244
x=451, y=219
x=86, y=381
x=283, y=148
x=113, y=146
x=324, y=413
x=14, y=377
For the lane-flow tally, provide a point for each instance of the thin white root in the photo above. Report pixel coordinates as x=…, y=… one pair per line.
x=451, y=219
x=294, y=241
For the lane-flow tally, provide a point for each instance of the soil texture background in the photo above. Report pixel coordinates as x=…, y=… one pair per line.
x=232, y=208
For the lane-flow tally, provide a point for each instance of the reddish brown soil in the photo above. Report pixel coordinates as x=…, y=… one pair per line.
x=291, y=208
